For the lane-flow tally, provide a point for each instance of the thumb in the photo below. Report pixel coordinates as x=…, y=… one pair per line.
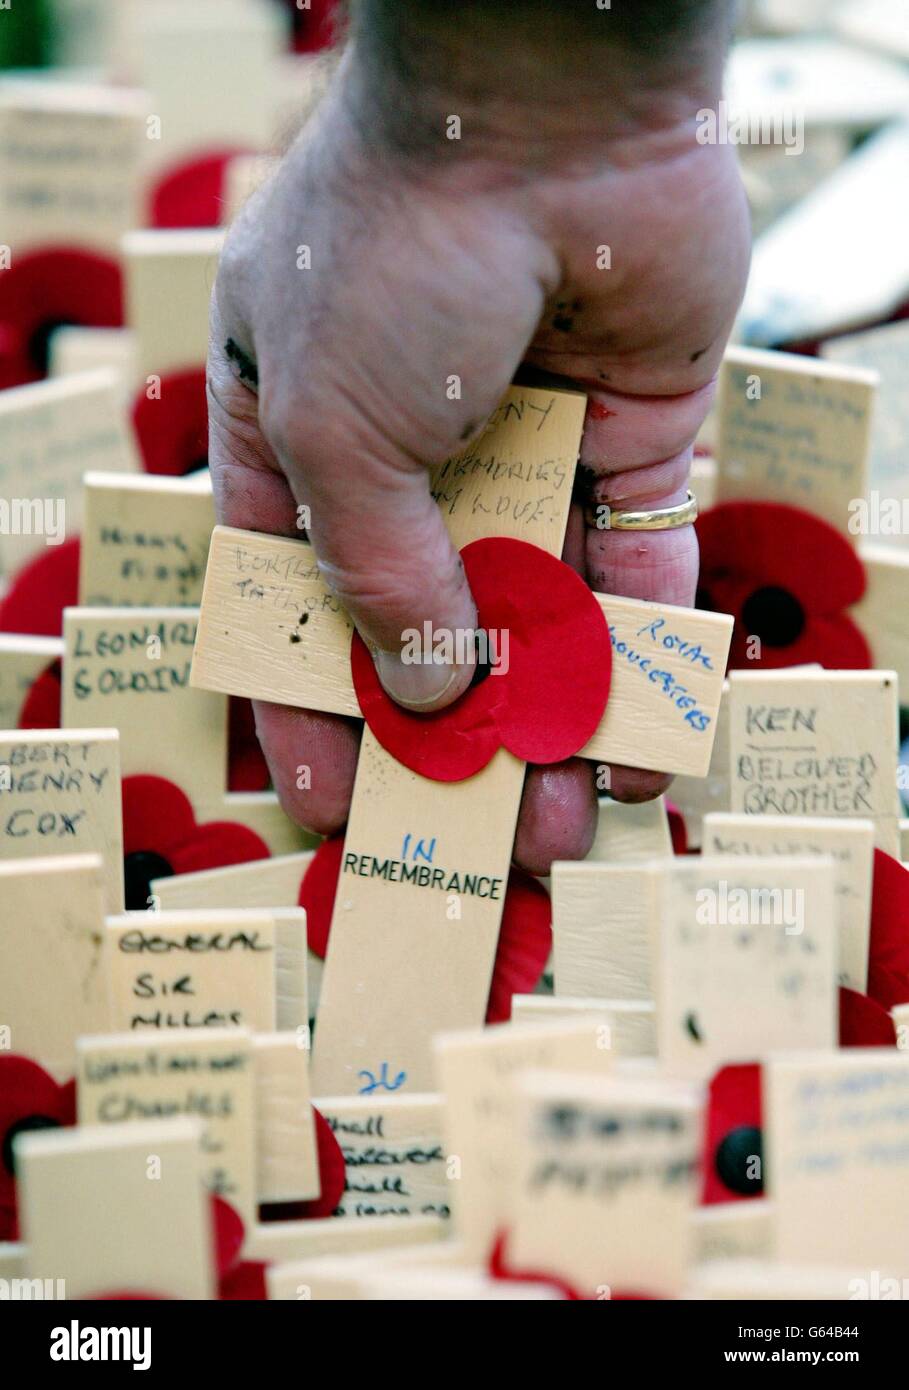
x=383, y=549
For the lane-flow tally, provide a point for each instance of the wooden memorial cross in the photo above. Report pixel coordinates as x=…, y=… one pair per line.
x=884, y=351
x=145, y=540
x=477, y=1072
x=75, y=349
x=288, y=1243
x=816, y=743
x=631, y=1023
x=602, y=922
x=70, y=156
x=70, y=974
x=125, y=1078
x=697, y=797
x=881, y=611
x=169, y=278
x=128, y=668
x=251, y=1092
x=53, y=984
x=394, y=1156
x=732, y=1230
x=746, y=958
x=50, y=432
x=424, y=1274
x=270, y=629
x=795, y=430
x=211, y=72
x=271, y=882
x=631, y=830
x=114, y=1209
x=881, y=519
x=850, y=843
x=837, y=1149
x=69, y=165
x=750, y=1279
x=60, y=794
x=227, y=968
x=606, y=1181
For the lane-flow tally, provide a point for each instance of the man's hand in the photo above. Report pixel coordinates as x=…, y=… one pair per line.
x=575, y=227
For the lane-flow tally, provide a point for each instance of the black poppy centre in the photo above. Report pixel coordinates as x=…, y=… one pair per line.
x=27, y=1124
x=139, y=869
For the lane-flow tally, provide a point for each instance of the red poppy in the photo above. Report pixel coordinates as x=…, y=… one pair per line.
x=40, y=590
x=786, y=577
x=524, y=945
x=547, y=699
x=172, y=425
x=888, y=947
x=863, y=1022
x=162, y=837
x=238, y=1279
x=191, y=193
x=45, y=289
x=29, y=1099
x=865, y=1019
x=318, y=888
x=41, y=708
x=525, y=934
x=678, y=831
x=733, y=1138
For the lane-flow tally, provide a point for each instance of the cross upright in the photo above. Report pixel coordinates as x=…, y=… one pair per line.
x=406, y=960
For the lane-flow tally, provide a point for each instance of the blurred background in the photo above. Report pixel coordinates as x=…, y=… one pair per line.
x=817, y=96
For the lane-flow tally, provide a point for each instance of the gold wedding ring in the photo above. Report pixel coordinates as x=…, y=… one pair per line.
x=601, y=517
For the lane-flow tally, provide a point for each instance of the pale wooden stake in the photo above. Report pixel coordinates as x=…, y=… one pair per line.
x=850, y=844
x=53, y=985
x=607, y=1181
x=392, y=1146
x=836, y=1129
x=110, y=1209
x=144, y=540
x=50, y=432
x=793, y=429
x=816, y=743
x=60, y=794
x=477, y=1071
x=746, y=960
x=602, y=919
x=206, y=1073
